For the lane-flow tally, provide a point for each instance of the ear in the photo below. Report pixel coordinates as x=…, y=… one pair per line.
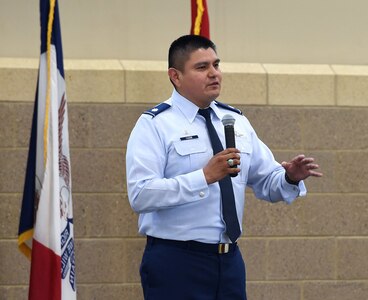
x=174, y=76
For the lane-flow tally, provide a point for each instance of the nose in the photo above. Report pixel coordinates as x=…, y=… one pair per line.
x=214, y=71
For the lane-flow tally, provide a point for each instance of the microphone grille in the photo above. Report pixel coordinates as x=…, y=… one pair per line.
x=228, y=120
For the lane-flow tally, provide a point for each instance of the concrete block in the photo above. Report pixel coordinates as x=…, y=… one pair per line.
x=100, y=260
x=104, y=215
x=300, y=84
x=12, y=171
x=254, y=254
x=301, y=259
x=314, y=215
x=14, y=265
x=18, y=79
x=273, y=290
x=98, y=170
x=79, y=118
x=266, y=219
x=110, y=291
x=243, y=83
x=351, y=85
x=23, y=114
x=146, y=81
x=338, y=290
x=352, y=172
x=351, y=258
x=102, y=125
x=110, y=125
x=335, y=128
x=7, y=125
x=14, y=292
x=132, y=259
x=278, y=127
x=9, y=215
x=94, y=81
x=327, y=215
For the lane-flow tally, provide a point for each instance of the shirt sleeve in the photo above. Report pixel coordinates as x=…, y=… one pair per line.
x=267, y=177
x=148, y=189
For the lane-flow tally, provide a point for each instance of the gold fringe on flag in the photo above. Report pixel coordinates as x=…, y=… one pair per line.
x=48, y=88
x=198, y=20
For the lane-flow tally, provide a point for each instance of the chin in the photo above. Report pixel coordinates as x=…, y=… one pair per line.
x=214, y=95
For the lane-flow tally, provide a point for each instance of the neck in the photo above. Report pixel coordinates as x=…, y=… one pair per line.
x=202, y=104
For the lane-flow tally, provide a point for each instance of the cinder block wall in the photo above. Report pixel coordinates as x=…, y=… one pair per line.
x=313, y=249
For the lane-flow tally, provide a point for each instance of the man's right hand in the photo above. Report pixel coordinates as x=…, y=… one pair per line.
x=218, y=167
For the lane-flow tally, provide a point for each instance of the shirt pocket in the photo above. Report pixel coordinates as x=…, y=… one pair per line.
x=191, y=154
x=246, y=150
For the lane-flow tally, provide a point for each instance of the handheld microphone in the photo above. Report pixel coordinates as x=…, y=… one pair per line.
x=228, y=121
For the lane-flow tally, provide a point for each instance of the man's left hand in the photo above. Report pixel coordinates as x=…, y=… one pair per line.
x=301, y=167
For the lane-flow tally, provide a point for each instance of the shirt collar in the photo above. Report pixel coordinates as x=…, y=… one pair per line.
x=216, y=110
x=189, y=109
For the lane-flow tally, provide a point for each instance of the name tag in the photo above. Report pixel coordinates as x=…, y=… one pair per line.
x=189, y=137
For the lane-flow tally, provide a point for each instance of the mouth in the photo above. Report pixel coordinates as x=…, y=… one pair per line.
x=214, y=84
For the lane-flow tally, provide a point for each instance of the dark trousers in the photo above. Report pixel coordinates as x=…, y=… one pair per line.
x=169, y=272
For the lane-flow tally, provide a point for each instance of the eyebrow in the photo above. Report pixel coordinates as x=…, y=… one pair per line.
x=206, y=63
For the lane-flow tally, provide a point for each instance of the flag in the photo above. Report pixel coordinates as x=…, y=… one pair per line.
x=46, y=220
x=200, y=21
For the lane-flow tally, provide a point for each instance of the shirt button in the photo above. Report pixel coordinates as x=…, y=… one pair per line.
x=201, y=194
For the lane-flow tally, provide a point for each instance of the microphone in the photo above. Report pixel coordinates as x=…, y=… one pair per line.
x=228, y=121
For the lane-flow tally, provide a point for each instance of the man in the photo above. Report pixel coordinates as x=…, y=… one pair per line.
x=189, y=193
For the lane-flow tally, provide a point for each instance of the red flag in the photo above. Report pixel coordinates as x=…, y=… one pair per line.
x=200, y=21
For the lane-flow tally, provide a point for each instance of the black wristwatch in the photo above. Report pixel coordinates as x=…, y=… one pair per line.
x=288, y=180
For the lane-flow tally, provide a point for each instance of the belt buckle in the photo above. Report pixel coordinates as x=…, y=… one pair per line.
x=223, y=248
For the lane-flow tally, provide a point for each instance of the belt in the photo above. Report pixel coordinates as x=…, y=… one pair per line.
x=194, y=245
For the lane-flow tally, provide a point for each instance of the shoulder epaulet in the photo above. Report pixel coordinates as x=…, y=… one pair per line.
x=159, y=108
x=226, y=106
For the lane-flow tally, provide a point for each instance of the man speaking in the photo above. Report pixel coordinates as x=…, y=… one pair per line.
x=188, y=184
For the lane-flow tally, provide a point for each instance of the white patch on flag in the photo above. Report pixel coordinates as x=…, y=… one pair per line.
x=54, y=218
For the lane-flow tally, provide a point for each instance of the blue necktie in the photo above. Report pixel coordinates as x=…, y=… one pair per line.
x=226, y=187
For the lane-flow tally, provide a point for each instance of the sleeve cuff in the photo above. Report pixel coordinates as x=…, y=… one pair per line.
x=294, y=190
x=199, y=185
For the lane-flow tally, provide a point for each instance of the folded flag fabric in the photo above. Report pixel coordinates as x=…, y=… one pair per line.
x=200, y=20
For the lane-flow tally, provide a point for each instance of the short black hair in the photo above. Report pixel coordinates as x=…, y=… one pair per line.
x=182, y=47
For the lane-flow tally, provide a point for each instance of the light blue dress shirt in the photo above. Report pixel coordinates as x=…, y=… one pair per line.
x=165, y=158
